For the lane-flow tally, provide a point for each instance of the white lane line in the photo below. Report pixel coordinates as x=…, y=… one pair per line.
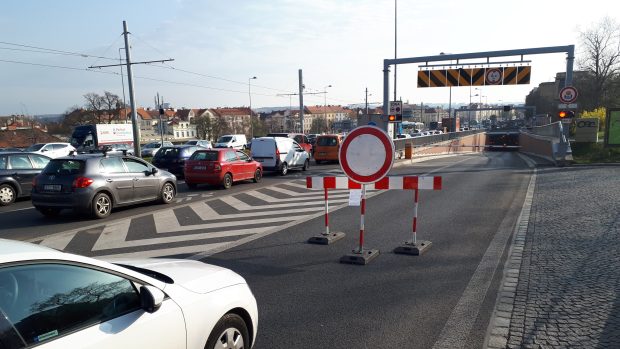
x=242, y=206
x=458, y=327
x=206, y=213
x=59, y=242
x=172, y=239
x=169, y=251
x=18, y=209
x=318, y=195
x=112, y=235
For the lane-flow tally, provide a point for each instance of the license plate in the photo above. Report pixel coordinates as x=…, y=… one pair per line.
x=52, y=187
x=200, y=168
x=260, y=160
x=322, y=153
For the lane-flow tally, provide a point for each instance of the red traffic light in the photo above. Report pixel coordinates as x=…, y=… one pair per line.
x=564, y=114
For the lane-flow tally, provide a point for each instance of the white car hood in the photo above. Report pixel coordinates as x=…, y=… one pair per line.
x=193, y=275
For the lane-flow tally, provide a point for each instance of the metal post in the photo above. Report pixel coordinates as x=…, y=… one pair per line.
x=301, y=102
x=450, y=110
x=367, y=103
x=326, y=213
x=132, y=99
x=250, y=95
x=569, y=65
x=363, y=211
x=120, y=63
x=415, y=216
x=395, y=42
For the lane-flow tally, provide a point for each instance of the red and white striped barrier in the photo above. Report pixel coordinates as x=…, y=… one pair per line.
x=386, y=183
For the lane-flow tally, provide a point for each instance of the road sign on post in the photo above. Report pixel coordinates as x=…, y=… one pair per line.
x=396, y=111
x=365, y=156
x=568, y=94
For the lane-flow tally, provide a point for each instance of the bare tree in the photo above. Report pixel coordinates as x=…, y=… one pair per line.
x=601, y=45
x=95, y=105
x=112, y=104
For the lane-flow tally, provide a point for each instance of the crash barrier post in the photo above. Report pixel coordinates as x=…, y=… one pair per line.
x=415, y=183
x=408, y=150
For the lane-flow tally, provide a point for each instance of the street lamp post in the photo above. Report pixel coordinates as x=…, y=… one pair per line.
x=325, y=103
x=250, y=95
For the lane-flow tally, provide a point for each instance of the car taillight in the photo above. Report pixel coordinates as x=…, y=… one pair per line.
x=34, y=181
x=217, y=167
x=82, y=182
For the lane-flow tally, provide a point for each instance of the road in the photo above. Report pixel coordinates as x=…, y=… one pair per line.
x=307, y=299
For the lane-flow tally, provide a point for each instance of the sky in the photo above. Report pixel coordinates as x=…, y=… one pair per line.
x=218, y=45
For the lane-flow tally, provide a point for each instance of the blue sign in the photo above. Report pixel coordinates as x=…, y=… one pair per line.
x=372, y=123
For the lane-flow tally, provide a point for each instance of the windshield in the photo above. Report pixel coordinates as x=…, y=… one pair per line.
x=205, y=156
x=152, y=145
x=64, y=167
x=191, y=142
x=327, y=141
x=167, y=153
x=35, y=147
x=224, y=139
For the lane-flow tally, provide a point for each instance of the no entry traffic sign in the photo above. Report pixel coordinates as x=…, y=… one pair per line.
x=493, y=76
x=366, y=155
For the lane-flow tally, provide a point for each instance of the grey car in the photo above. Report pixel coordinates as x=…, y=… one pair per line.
x=94, y=184
x=151, y=148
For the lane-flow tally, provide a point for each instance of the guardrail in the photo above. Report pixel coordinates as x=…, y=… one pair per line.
x=421, y=141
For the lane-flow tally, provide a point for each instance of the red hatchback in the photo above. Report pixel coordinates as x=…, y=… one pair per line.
x=221, y=166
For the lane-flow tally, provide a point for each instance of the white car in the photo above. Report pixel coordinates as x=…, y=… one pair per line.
x=151, y=148
x=279, y=154
x=52, y=150
x=232, y=141
x=52, y=299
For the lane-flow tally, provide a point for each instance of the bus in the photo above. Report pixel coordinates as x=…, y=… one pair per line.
x=410, y=127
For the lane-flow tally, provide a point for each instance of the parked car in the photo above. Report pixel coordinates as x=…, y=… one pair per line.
x=201, y=143
x=279, y=154
x=53, y=299
x=221, y=167
x=95, y=184
x=231, y=141
x=121, y=148
x=403, y=136
x=300, y=138
x=172, y=159
x=150, y=149
x=10, y=149
x=17, y=169
x=52, y=150
x=327, y=147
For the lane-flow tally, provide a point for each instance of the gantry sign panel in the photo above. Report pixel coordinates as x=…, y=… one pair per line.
x=475, y=76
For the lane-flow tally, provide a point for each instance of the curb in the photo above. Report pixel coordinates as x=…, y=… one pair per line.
x=499, y=324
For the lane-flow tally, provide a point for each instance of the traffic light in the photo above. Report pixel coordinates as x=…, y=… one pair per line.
x=566, y=114
x=395, y=118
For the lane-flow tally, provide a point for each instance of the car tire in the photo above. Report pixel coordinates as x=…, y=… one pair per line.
x=7, y=194
x=49, y=212
x=227, y=181
x=101, y=205
x=258, y=175
x=306, y=165
x=191, y=185
x=318, y=162
x=167, y=193
x=283, y=169
x=229, y=329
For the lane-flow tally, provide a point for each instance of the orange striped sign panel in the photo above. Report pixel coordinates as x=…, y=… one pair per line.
x=510, y=76
x=477, y=76
x=438, y=78
x=472, y=76
x=523, y=75
x=423, y=78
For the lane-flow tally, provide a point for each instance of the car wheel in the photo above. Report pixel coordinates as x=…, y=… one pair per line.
x=284, y=169
x=227, y=182
x=230, y=332
x=258, y=175
x=7, y=194
x=49, y=212
x=102, y=205
x=167, y=194
x=318, y=162
x=306, y=165
x=191, y=185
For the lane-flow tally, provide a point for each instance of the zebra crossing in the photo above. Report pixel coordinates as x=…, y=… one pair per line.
x=202, y=227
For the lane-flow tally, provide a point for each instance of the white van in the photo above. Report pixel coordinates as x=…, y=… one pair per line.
x=231, y=141
x=279, y=154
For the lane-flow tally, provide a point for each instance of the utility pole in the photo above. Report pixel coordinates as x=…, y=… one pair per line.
x=301, y=102
x=367, y=102
x=132, y=102
x=395, y=42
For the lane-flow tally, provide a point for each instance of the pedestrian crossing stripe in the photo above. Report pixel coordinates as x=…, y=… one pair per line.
x=175, y=232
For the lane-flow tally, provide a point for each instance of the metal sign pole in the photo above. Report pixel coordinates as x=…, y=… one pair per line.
x=415, y=216
x=326, y=214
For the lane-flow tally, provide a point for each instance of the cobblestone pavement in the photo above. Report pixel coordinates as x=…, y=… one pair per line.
x=563, y=276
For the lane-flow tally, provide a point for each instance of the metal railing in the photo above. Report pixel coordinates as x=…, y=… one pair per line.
x=421, y=141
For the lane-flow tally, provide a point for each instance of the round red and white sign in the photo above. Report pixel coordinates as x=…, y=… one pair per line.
x=367, y=154
x=568, y=94
x=493, y=76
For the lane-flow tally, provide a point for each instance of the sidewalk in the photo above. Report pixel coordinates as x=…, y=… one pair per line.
x=561, y=287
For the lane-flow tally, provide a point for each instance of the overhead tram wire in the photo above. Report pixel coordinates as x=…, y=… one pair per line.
x=54, y=51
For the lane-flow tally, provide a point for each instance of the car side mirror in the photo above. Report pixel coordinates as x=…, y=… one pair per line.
x=151, y=298
x=249, y=160
x=43, y=150
x=154, y=171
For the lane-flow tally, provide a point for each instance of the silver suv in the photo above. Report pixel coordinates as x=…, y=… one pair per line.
x=95, y=183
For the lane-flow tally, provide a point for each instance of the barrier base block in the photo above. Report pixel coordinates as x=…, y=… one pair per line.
x=362, y=258
x=413, y=249
x=326, y=239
